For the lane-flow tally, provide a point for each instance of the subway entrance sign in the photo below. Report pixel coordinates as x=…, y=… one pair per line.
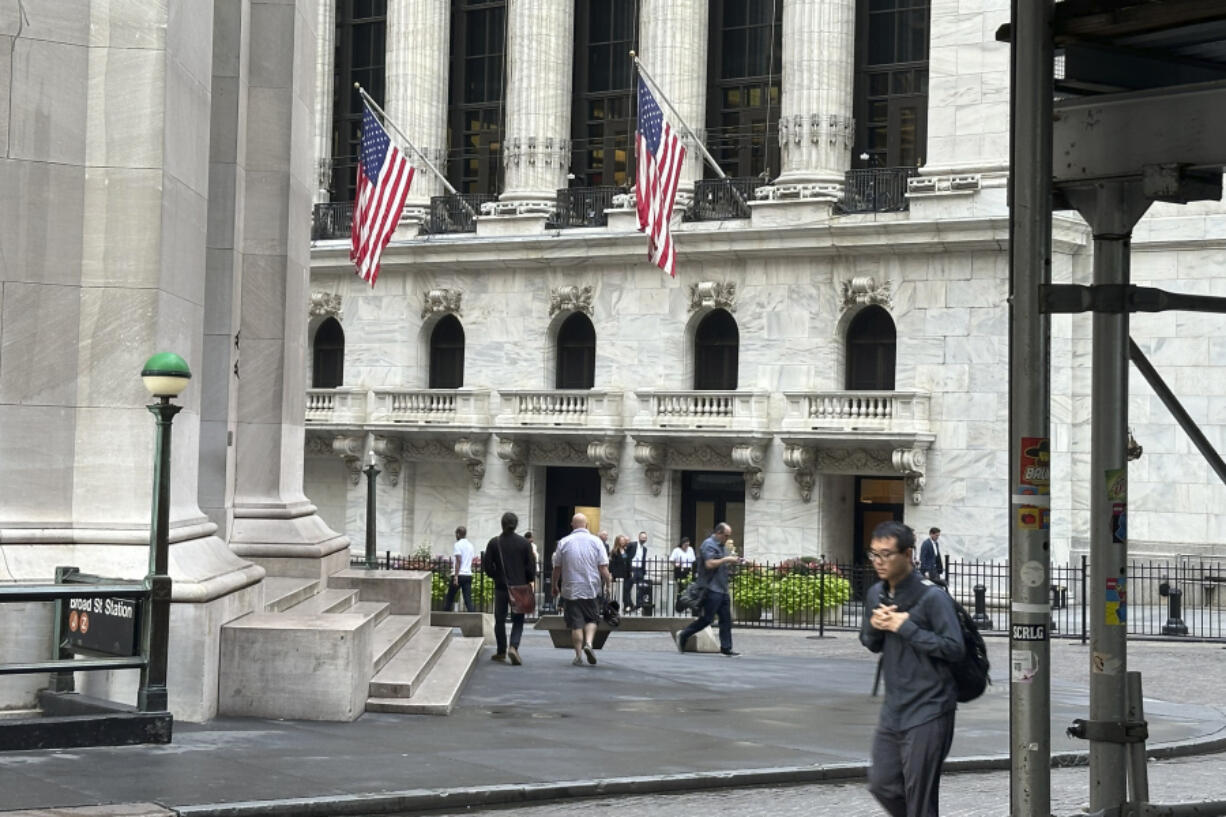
x=107, y=626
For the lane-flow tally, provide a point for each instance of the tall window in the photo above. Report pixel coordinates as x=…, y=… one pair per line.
x=870, y=351
x=891, y=107
x=746, y=58
x=361, y=44
x=328, y=355
x=602, y=113
x=474, y=120
x=576, y=353
x=716, y=346
x=447, y=354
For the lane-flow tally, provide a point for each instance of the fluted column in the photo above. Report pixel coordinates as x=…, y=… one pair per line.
x=324, y=55
x=816, y=130
x=417, y=37
x=540, y=43
x=673, y=34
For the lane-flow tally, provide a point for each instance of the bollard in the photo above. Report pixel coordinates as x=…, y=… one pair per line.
x=981, y=615
x=1174, y=621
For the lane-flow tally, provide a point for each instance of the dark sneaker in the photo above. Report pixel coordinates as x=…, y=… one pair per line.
x=681, y=643
x=513, y=654
x=591, y=656
x=730, y=653
x=499, y=656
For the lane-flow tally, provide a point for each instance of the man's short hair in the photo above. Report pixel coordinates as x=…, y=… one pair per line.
x=642, y=533
x=461, y=531
x=900, y=533
x=723, y=527
x=527, y=534
x=509, y=522
x=933, y=530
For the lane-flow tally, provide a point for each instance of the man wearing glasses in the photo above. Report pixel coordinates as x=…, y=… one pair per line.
x=912, y=624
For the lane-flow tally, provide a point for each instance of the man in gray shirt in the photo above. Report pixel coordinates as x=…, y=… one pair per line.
x=711, y=568
x=913, y=625
x=580, y=572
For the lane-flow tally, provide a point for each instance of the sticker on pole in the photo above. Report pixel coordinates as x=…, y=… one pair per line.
x=1023, y=665
x=1035, y=459
x=1117, y=601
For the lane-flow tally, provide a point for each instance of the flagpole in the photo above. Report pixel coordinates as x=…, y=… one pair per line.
x=371, y=102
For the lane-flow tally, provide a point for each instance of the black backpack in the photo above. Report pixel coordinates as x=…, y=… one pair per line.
x=972, y=673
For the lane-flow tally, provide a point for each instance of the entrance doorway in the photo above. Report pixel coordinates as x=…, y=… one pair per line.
x=710, y=497
x=878, y=499
x=567, y=491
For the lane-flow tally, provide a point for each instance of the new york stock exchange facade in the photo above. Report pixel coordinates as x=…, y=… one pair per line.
x=834, y=349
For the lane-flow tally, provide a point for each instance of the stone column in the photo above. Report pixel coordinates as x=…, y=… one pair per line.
x=816, y=130
x=417, y=34
x=324, y=56
x=536, y=147
x=673, y=37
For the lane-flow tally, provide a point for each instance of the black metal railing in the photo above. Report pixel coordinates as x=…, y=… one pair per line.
x=811, y=594
x=875, y=190
x=584, y=206
x=456, y=213
x=721, y=199
x=331, y=220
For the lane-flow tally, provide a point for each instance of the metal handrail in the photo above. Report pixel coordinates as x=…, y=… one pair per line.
x=875, y=190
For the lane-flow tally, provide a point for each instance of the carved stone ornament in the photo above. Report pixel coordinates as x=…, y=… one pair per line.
x=515, y=454
x=910, y=462
x=863, y=290
x=389, y=449
x=802, y=460
x=559, y=452
x=317, y=446
x=472, y=452
x=350, y=449
x=713, y=295
x=442, y=301
x=652, y=457
x=749, y=458
x=606, y=455
x=570, y=299
x=854, y=461
x=325, y=305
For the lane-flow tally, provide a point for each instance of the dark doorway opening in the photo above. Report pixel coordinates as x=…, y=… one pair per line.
x=566, y=490
x=878, y=499
x=710, y=497
x=328, y=356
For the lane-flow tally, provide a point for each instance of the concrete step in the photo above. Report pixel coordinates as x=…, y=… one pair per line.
x=330, y=600
x=442, y=688
x=378, y=610
x=404, y=673
x=282, y=593
x=390, y=635
x=407, y=591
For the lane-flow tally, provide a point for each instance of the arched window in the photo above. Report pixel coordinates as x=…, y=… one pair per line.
x=870, y=351
x=447, y=354
x=716, y=344
x=328, y=355
x=576, y=353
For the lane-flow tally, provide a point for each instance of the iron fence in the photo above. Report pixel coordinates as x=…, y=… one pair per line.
x=331, y=220
x=809, y=594
x=584, y=206
x=448, y=214
x=875, y=190
x=719, y=199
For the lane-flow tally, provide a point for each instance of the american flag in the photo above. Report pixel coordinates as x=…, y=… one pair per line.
x=660, y=155
x=384, y=176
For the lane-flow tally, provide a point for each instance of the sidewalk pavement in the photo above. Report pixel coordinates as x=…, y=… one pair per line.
x=793, y=709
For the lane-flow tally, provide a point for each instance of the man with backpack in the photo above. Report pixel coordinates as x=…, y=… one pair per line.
x=914, y=625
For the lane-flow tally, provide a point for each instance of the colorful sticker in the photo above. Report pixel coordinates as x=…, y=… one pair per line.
x=1035, y=476
x=1117, y=485
x=1117, y=601
x=1024, y=666
x=1029, y=517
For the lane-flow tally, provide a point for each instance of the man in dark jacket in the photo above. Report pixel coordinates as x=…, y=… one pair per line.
x=912, y=624
x=519, y=567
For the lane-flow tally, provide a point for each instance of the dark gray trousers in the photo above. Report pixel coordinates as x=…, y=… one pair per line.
x=906, y=771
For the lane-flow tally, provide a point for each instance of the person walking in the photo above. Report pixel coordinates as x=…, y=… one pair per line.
x=508, y=561
x=912, y=624
x=461, y=571
x=931, y=563
x=714, y=561
x=580, y=574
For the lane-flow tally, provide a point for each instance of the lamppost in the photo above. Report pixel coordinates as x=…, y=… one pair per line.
x=165, y=375
x=371, y=472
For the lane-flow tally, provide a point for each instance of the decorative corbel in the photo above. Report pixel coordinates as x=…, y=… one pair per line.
x=444, y=301
x=749, y=458
x=350, y=449
x=803, y=461
x=515, y=454
x=325, y=305
x=570, y=299
x=472, y=452
x=652, y=457
x=713, y=295
x=864, y=290
x=390, y=450
x=606, y=455
x=910, y=463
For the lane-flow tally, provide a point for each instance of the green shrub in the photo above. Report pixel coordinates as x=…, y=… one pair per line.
x=799, y=593
x=753, y=587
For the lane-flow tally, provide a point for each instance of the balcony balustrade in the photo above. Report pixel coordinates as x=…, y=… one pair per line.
x=466, y=407
x=342, y=406
x=875, y=190
x=733, y=410
x=588, y=408
x=891, y=411
x=331, y=220
x=585, y=206
x=721, y=199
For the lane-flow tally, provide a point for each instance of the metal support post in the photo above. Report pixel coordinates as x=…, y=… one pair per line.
x=372, y=533
x=1138, y=775
x=1030, y=178
x=155, y=618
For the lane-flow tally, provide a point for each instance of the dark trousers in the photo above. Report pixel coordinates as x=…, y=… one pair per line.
x=716, y=604
x=502, y=603
x=638, y=576
x=627, y=583
x=906, y=773
x=464, y=584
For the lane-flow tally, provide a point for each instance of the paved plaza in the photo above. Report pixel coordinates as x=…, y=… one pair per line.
x=792, y=710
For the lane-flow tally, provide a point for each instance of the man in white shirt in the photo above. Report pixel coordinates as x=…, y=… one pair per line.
x=580, y=573
x=638, y=568
x=461, y=571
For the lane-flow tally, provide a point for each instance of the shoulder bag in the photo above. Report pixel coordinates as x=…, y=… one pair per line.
x=521, y=596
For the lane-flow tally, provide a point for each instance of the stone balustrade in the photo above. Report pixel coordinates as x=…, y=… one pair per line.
x=895, y=411
x=430, y=406
x=585, y=408
x=344, y=405
x=735, y=410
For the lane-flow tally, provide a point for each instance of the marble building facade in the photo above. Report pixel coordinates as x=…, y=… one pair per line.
x=803, y=449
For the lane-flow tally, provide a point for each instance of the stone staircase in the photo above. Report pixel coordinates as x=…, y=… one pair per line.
x=332, y=648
